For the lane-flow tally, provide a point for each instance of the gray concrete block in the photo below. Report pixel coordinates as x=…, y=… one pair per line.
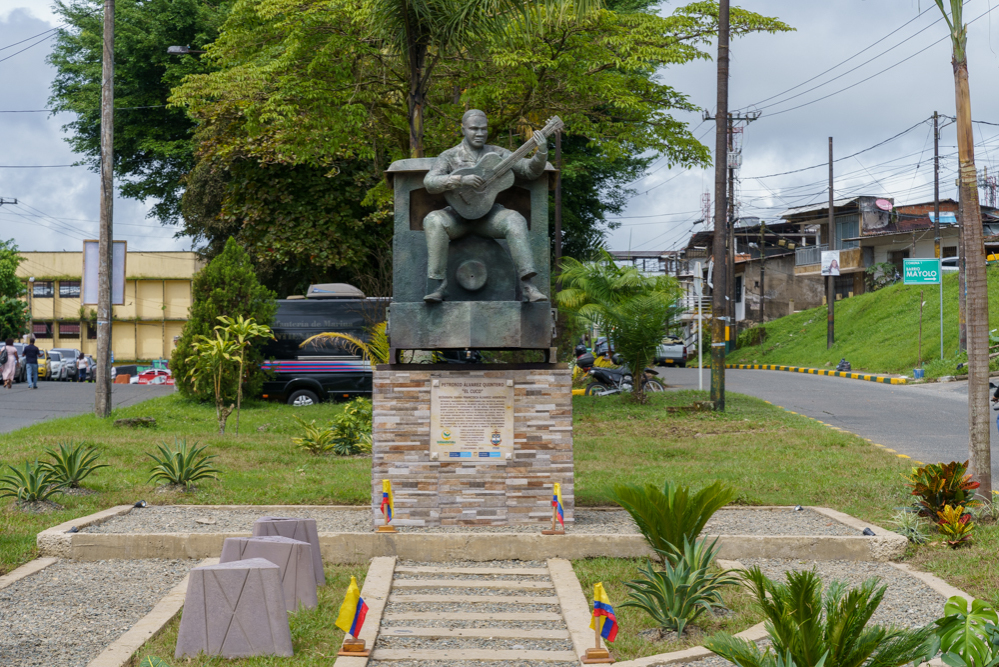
x=303, y=530
x=294, y=557
x=236, y=610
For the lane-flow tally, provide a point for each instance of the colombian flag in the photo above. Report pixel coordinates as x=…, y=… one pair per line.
x=604, y=619
x=352, y=611
x=388, y=507
x=557, y=503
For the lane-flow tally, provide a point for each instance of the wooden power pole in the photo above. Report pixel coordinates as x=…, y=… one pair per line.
x=831, y=280
x=719, y=296
x=102, y=401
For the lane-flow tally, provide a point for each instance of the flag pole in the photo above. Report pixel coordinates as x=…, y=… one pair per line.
x=554, y=530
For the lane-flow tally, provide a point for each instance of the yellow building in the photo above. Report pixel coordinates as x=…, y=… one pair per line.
x=157, y=298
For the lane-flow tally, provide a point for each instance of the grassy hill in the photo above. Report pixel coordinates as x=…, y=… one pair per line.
x=875, y=332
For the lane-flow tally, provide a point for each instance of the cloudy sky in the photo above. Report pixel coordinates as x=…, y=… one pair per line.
x=862, y=71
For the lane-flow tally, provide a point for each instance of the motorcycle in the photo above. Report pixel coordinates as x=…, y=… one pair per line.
x=608, y=381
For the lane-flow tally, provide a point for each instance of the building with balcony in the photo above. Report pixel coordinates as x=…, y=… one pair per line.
x=157, y=298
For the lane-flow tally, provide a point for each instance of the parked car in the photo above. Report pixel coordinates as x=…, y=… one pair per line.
x=43, y=365
x=92, y=368
x=949, y=264
x=671, y=352
x=319, y=373
x=58, y=367
x=153, y=376
x=69, y=356
x=22, y=366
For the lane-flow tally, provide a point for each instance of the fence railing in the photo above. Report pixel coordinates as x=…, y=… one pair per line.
x=809, y=254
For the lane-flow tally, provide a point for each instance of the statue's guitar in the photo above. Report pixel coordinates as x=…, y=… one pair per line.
x=471, y=203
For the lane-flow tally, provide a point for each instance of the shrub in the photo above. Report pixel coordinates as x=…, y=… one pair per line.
x=182, y=465
x=809, y=627
x=32, y=483
x=72, y=464
x=968, y=636
x=988, y=510
x=352, y=428
x=911, y=525
x=669, y=517
x=316, y=440
x=684, y=590
x=955, y=525
x=942, y=484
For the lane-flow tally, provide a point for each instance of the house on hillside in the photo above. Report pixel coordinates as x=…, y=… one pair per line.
x=650, y=262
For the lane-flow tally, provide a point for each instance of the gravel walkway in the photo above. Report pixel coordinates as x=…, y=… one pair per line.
x=181, y=519
x=69, y=612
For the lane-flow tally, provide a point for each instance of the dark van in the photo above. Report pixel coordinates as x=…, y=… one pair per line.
x=325, y=371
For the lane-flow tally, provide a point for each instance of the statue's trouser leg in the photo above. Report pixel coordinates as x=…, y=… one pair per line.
x=504, y=223
x=435, y=227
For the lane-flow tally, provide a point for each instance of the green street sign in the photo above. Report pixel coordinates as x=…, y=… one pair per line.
x=921, y=271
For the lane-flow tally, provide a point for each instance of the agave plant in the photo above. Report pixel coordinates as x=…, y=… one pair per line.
x=73, y=463
x=812, y=628
x=30, y=484
x=684, y=590
x=669, y=517
x=182, y=465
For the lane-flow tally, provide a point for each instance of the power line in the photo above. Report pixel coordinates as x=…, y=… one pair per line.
x=28, y=39
x=37, y=166
x=43, y=39
x=149, y=106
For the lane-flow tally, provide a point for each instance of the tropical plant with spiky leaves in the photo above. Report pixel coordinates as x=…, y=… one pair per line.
x=242, y=331
x=812, y=627
x=32, y=483
x=73, y=463
x=375, y=349
x=670, y=516
x=955, y=525
x=182, y=465
x=684, y=589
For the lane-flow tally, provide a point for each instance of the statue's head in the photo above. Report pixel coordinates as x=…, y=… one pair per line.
x=475, y=127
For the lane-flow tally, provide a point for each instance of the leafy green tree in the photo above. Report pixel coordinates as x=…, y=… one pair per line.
x=632, y=309
x=226, y=287
x=153, y=148
x=13, y=311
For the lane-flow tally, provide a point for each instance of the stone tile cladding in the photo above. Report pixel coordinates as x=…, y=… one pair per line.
x=449, y=493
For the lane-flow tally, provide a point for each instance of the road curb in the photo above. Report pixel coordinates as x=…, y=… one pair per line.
x=870, y=377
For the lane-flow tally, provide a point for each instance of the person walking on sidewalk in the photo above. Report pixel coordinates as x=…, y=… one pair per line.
x=81, y=368
x=31, y=362
x=10, y=364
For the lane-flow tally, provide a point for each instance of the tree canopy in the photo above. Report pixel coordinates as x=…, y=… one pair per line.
x=13, y=311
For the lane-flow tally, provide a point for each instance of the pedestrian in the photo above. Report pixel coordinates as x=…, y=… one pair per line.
x=31, y=354
x=10, y=365
x=81, y=368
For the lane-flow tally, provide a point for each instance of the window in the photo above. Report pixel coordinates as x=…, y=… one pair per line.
x=738, y=289
x=42, y=329
x=92, y=331
x=69, y=289
x=847, y=227
x=43, y=290
x=896, y=256
x=69, y=329
x=950, y=251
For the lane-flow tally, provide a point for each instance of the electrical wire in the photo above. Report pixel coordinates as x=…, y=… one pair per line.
x=28, y=39
x=44, y=39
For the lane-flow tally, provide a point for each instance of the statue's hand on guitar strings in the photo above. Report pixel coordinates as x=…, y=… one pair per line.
x=473, y=181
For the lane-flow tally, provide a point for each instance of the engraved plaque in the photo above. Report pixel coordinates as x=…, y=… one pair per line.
x=471, y=419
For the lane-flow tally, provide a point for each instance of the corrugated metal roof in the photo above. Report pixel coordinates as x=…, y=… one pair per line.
x=818, y=207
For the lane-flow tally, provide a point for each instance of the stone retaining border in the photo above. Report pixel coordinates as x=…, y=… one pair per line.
x=478, y=546
x=120, y=652
x=375, y=592
x=870, y=377
x=26, y=570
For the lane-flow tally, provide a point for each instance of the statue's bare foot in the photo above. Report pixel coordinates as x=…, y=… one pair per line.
x=438, y=290
x=532, y=293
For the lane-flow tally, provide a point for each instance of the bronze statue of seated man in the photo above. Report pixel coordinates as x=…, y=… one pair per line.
x=446, y=225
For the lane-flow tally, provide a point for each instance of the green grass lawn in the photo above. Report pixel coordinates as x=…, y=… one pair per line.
x=876, y=332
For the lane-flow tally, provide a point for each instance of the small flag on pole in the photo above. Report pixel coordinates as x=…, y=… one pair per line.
x=604, y=621
x=352, y=611
x=388, y=508
x=557, y=503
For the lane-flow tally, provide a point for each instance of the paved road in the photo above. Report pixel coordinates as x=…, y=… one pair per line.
x=21, y=407
x=929, y=422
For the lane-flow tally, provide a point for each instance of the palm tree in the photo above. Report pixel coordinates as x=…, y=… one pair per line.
x=375, y=350
x=630, y=308
x=423, y=32
x=977, y=310
x=809, y=629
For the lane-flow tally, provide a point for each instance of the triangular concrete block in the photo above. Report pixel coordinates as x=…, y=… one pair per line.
x=297, y=529
x=235, y=610
x=293, y=557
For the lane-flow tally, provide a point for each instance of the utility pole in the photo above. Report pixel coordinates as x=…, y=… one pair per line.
x=831, y=280
x=763, y=267
x=937, y=250
x=102, y=401
x=719, y=297
x=730, y=256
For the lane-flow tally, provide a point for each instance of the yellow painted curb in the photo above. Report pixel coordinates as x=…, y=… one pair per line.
x=882, y=379
x=578, y=392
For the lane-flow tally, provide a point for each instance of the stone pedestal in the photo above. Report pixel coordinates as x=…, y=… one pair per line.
x=294, y=557
x=479, y=489
x=235, y=610
x=303, y=530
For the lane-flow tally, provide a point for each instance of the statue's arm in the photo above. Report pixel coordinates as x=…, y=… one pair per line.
x=532, y=167
x=439, y=178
